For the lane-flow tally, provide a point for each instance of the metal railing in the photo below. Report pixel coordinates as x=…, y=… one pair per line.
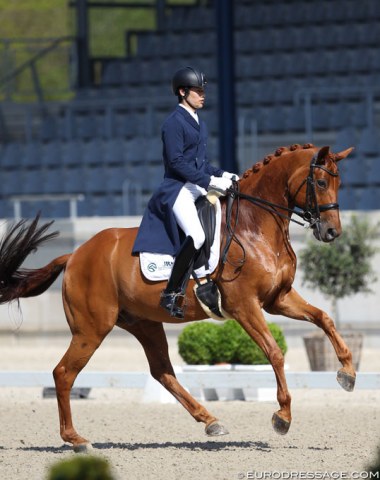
x=37, y=51
x=306, y=96
x=72, y=198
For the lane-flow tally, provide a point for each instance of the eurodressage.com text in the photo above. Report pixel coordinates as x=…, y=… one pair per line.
x=319, y=475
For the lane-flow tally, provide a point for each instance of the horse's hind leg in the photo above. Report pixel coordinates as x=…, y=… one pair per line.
x=294, y=306
x=76, y=357
x=82, y=346
x=152, y=337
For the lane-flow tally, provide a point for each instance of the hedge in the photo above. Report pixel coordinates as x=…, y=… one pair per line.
x=210, y=343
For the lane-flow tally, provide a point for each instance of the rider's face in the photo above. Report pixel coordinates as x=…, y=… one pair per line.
x=196, y=97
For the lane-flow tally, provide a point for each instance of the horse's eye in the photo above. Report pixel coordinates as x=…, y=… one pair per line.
x=322, y=183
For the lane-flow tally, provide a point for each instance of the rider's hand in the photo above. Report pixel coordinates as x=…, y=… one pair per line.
x=232, y=176
x=219, y=184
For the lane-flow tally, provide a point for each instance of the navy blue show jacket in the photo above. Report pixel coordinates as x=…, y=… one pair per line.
x=185, y=160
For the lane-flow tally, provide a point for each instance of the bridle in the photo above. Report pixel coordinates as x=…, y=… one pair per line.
x=311, y=213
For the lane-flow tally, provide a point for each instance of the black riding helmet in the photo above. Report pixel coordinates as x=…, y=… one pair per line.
x=188, y=77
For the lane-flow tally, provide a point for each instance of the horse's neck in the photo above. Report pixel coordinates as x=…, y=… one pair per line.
x=256, y=220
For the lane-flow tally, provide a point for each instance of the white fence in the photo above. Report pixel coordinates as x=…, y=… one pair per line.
x=235, y=379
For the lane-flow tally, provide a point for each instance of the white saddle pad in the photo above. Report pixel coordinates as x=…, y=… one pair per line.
x=158, y=266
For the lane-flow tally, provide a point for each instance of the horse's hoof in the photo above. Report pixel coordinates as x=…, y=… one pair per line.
x=280, y=425
x=83, y=447
x=346, y=381
x=215, y=429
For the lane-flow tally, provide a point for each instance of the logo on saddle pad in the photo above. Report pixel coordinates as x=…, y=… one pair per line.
x=153, y=267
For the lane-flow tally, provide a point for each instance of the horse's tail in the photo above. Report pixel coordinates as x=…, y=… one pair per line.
x=17, y=244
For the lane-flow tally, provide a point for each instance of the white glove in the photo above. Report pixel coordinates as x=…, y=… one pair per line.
x=232, y=176
x=219, y=184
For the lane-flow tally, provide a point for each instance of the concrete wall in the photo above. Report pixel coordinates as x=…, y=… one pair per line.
x=45, y=313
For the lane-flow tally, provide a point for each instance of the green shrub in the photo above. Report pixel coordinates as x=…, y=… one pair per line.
x=209, y=343
x=375, y=467
x=81, y=468
x=197, y=343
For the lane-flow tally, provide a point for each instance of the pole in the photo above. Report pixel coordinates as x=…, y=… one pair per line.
x=84, y=77
x=226, y=77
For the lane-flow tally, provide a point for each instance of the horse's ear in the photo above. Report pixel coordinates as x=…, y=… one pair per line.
x=322, y=154
x=343, y=154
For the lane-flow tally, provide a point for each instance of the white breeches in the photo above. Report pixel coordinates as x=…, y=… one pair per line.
x=186, y=214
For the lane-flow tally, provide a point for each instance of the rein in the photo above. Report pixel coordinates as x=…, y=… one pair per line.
x=310, y=214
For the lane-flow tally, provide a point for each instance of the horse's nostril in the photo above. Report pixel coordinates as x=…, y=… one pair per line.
x=332, y=232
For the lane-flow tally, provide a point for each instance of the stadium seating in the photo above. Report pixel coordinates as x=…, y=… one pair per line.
x=299, y=65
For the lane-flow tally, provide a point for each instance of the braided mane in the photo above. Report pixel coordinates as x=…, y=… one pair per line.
x=281, y=150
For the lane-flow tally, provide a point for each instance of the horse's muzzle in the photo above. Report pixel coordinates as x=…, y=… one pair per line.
x=327, y=234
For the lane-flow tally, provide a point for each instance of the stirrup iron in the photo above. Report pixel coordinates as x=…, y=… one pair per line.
x=169, y=301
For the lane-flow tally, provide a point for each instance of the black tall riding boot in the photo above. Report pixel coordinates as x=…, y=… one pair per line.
x=179, y=276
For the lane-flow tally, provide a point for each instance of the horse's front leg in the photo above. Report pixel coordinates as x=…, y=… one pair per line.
x=293, y=305
x=253, y=321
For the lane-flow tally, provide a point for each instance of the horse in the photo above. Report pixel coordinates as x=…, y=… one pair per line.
x=103, y=285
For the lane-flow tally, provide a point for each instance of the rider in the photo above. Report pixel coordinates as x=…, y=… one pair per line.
x=188, y=175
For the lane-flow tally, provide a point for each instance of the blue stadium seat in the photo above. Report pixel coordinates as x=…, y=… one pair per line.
x=345, y=138
x=74, y=180
x=12, y=155
x=125, y=125
x=369, y=142
x=33, y=182
x=321, y=113
x=369, y=199
x=6, y=209
x=115, y=178
x=295, y=118
x=86, y=127
x=94, y=181
x=102, y=205
x=153, y=149
x=340, y=115
x=72, y=153
x=136, y=150
x=358, y=116
x=353, y=171
x=30, y=209
x=374, y=171
x=114, y=151
x=276, y=120
x=32, y=155
x=112, y=74
x=58, y=209
x=149, y=45
x=51, y=154
x=347, y=199
x=48, y=129
x=52, y=181
x=11, y=183
x=93, y=152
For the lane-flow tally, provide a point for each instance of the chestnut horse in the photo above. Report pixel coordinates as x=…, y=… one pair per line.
x=103, y=285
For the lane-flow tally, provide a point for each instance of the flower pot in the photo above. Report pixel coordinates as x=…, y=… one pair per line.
x=322, y=356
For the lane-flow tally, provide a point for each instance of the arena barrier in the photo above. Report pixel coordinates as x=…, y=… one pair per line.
x=216, y=385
